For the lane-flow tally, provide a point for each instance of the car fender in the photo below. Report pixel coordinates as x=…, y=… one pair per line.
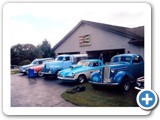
x=119, y=76
x=95, y=77
x=85, y=73
x=55, y=69
x=37, y=69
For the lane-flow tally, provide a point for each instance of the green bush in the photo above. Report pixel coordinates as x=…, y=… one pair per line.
x=25, y=62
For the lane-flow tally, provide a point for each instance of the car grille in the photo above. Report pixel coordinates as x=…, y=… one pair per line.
x=106, y=74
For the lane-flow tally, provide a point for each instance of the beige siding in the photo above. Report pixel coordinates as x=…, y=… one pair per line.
x=100, y=40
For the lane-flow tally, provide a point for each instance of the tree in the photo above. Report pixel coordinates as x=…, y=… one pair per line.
x=16, y=53
x=21, y=52
x=29, y=52
x=45, y=49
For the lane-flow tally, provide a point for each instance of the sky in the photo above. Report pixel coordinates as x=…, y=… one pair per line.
x=34, y=22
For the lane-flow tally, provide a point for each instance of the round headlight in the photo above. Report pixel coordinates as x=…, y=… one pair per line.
x=98, y=71
x=112, y=70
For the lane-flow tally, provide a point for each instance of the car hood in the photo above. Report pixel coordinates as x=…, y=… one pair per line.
x=73, y=67
x=27, y=66
x=118, y=64
x=54, y=63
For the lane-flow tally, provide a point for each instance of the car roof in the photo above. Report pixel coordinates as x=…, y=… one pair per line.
x=130, y=55
x=64, y=55
x=75, y=55
x=39, y=59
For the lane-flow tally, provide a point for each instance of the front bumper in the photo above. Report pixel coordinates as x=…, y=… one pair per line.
x=22, y=71
x=104, y=83
x=67, y=79
x=47, y=73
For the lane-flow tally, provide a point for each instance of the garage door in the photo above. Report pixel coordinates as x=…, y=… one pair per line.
x=107, y=54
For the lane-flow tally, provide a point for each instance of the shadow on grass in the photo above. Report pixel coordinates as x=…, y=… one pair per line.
x=102, y=97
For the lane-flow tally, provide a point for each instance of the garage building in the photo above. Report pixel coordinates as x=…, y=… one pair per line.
x=95, y=38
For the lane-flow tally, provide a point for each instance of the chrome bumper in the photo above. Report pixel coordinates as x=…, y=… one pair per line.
x=22, y=71
x=46, y=73
x=67, y=79
x=104, y=83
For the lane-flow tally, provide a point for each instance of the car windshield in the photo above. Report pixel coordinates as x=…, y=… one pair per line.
x=59, y=59
x=34, y=62
x=121, y=59
x=83, y=63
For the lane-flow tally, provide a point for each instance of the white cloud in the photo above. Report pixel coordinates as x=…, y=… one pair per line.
x=54, y=20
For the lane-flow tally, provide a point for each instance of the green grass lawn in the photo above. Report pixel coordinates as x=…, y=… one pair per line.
x=14, y=71
x=106, y=97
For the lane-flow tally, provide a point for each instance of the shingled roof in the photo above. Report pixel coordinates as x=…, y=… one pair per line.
x=135, y=34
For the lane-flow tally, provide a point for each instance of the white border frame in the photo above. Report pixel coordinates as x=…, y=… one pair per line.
x=8, y=110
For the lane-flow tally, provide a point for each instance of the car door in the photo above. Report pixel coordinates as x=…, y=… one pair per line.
x=67, y=62
x=137, y=67
x=95, y=65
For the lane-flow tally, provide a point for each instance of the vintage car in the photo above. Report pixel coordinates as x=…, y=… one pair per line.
x=38, y=69
x=36, y=62
x=64, y=61
x=81, y=72
x=123, y=70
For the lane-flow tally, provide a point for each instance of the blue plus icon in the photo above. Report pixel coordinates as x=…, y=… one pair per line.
x=147, y=99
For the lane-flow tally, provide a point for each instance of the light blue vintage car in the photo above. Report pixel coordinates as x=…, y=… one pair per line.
x=64, y=61
x=81, y=72
x=123, y=70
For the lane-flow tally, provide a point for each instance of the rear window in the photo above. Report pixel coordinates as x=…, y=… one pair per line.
x=67, y=58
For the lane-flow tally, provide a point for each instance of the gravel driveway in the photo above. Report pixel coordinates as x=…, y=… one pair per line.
x=37, y=93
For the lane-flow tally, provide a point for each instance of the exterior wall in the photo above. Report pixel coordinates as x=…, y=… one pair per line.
x=136, y=49
x=100, y=40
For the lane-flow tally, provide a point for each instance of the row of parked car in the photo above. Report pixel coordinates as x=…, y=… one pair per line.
x=123, y=69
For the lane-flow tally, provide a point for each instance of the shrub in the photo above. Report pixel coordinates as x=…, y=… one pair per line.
x=25, y=62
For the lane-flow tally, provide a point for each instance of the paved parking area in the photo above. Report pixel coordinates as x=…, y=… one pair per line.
x=37, y=93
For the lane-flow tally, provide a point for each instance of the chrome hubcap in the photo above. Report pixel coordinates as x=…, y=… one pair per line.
x=81, y=79
x=126, y=86
x=40, y=74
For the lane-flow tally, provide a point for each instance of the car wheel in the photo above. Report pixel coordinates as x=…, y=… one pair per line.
x=46, y=76
x=40, y=74
x=81, y=79
x=55, y=76
x=125, y=85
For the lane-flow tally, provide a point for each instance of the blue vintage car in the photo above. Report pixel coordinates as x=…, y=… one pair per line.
x=80, y=72
x=123, y=70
